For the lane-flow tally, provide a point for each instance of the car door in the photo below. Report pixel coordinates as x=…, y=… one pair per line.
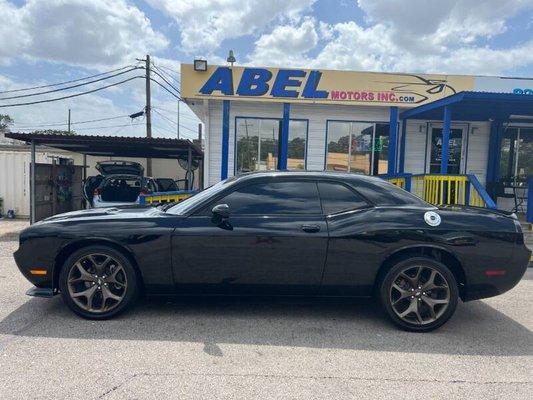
x=352, y=252
x=274, y=242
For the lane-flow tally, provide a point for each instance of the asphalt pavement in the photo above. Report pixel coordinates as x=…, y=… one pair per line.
x=259, y=350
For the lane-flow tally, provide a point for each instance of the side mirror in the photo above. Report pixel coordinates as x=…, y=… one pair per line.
x=221, y=210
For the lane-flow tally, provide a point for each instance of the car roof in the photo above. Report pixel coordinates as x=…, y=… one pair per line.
x=342, y=176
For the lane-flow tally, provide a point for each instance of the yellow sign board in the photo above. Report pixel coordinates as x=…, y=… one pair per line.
x=319, y=86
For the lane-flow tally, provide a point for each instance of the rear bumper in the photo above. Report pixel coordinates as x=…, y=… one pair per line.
x=489, y=286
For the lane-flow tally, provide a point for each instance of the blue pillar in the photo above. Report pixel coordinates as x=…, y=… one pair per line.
x=529, y=215
x=445, y=140
x=225, y=139
x=493, y=162
x=402, y=146
x=284, y=145
x=393, y=140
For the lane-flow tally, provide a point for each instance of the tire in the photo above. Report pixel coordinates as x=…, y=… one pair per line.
x=419, y=294
x=98, y=282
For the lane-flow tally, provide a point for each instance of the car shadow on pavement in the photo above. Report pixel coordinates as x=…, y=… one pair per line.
x=475, y=329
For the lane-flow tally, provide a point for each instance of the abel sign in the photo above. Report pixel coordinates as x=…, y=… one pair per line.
x=319, y=86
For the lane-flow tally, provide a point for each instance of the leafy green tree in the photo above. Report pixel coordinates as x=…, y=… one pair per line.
x=5, y=122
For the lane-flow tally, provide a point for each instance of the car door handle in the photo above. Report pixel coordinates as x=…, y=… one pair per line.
x=310, y=228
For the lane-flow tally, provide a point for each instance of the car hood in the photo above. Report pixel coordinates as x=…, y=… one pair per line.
x=126, y=212
x=116, y=167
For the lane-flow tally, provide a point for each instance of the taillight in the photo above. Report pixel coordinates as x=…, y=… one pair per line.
x=143, y=192
x=97, y=192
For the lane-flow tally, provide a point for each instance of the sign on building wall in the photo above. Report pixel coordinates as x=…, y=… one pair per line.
x=319, y=86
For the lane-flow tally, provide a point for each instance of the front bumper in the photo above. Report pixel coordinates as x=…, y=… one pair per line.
x=26, y=261
x=41, y=292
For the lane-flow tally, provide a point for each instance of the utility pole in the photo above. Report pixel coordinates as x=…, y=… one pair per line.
x=69, y=121
x=178, y=119
x=148, y=113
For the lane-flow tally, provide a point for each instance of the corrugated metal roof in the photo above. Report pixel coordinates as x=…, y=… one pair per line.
x=121, y=146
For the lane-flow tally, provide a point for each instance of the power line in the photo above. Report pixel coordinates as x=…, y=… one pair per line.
x=167, y=75
x=64, y=83
x=167, y=82
x=170, y=69
x=72, y=95
x=72, y=123
x=195, y=119
x=171, y=77
x=174, y=122
x=70, y=87
x=94, y=127
x=168, y=90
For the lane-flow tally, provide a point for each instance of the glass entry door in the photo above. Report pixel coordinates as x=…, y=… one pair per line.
x=455, y=151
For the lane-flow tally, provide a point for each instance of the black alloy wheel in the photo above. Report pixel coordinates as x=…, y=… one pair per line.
x=98, y=282
x=419, y=294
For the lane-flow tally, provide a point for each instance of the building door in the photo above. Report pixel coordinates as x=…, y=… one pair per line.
x=456, y=150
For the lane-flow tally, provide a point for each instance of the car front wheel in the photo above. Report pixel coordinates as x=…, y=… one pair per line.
x=419, y=294
x=98, y=282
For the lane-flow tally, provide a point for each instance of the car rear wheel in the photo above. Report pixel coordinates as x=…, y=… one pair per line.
x=98, y=282
x=419, y=294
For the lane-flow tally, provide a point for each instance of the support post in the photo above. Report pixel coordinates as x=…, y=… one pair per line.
x=189, y=168
x=529, y=214
x=393, y=141
x=148, y=111
x=284, y=145
x=445, y=140
x=225, y=139
x=32, y=184
x=401, y=166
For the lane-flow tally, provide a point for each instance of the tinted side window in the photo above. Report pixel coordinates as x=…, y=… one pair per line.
x=337, y=198
x=271, y=198
x=383, y=193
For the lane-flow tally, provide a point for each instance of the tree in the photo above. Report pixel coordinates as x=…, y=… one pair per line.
x=5, y=122
x=54, y=132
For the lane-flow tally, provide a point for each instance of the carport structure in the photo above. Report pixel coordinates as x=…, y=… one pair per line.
x=112, y=146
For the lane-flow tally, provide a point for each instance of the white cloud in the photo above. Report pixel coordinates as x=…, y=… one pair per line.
x=286, y=44
x=444, y=38
x=205, y=24
x=78, y=32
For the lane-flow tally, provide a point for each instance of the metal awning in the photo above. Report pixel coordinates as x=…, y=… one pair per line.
x=116, y=146
x=476, y=106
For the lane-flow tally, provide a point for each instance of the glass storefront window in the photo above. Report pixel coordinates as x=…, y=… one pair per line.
x=257, y=144
x=359, y=147
x=516, y=155
x=297, y=144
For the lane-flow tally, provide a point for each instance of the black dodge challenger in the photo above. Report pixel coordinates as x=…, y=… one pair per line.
x=281, y=234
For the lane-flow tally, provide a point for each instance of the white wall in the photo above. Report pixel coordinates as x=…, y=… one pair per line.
x=316, y=114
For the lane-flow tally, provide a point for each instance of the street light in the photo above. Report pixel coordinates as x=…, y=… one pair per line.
x=231, y=58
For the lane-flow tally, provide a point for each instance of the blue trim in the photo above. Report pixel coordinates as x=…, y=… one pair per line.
x=284, y=140
x=225, y=139
x=493, y=162
x=393, y=140
x=445, y=140
x=529, y=215
x=401, y=167
x=481, y=190
x=467, y=193
x=269, y=119
x=467, y=144
x=455, y=98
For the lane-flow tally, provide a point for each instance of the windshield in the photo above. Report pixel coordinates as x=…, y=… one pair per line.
x=187, y=205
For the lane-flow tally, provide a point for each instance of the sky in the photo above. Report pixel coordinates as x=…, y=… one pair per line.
x=45, y=42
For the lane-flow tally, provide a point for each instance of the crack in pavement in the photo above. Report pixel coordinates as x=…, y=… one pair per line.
x=324, y=377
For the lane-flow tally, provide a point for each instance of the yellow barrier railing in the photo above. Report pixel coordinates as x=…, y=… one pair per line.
x=165, y=197
x=445, y=189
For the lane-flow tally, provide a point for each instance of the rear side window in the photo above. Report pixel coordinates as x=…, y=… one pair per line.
x=337, y=198
x=383, y=193
x=274, y=198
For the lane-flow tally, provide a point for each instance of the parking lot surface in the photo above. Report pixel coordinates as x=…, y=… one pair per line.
x=170, y=348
